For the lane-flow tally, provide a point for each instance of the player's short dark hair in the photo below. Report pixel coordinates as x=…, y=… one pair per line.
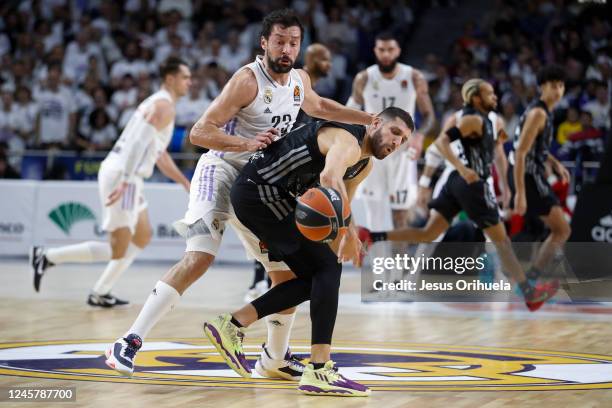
x=551, y=73
x=171, y=66
x=393, y=112
x=283, y=17
x=386, y=36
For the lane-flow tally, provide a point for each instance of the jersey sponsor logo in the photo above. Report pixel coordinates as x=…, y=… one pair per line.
x=297, y=97
x=267, y=95
x=382, y=366
x=263, y=248
x=65, y=215
x=268, y=110
x=404, y=84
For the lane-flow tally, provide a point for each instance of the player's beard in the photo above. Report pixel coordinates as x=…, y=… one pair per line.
x=377, y=146
x=277, y=67
x=387, y=68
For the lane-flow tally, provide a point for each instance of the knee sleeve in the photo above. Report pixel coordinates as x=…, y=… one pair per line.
x=284, y=296
x=324, y=302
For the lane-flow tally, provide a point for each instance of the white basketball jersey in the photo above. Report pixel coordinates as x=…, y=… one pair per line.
x=275, y=106
x=118, y=156
x=380, y=93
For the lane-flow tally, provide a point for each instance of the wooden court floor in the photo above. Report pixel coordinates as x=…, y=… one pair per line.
x=415, y=355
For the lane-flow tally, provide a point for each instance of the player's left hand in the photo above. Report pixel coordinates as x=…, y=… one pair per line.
x=562, y=171
x=116, y=194
x=350, y=247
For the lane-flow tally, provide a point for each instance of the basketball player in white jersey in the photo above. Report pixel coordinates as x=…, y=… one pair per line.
x=390, y=189
x=140, y=147
x=258, y=105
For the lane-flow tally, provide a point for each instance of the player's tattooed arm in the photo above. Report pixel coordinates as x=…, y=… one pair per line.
x=356, y=100
x=238, y=93
x=423, y=102
x=534, y=123
x=467, y=126
x=324, y=108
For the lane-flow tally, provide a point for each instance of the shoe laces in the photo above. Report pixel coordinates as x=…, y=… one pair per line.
x=131, y=349
x=294, y=361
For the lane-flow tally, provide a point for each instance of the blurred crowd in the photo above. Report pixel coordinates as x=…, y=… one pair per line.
x=73, y=71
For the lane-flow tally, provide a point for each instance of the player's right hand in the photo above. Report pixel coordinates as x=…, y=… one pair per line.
x=520, y=204
x=116, y=194
x=266, y=138
x=469, y=175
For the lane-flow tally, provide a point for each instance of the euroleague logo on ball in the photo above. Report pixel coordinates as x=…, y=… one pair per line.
x=382, y=366
x=321, y=213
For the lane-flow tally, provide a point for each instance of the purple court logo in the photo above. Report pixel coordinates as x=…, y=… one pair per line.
x=381, y=366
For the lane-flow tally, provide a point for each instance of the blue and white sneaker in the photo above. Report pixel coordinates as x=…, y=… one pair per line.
x=290, y=368
x=120, y=356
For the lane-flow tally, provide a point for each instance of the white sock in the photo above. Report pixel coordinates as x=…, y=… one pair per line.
x=114, y=270
x=279, y=331
x=89, y=251
x=160, y=301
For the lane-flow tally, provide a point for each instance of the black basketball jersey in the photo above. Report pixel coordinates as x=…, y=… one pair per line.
x=479, y=150
x=538, y=154
x=293, y=164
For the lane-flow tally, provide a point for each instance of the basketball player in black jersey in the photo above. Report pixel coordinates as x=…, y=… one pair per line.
x=333, y=155
x=528, y=180
x=466, y=189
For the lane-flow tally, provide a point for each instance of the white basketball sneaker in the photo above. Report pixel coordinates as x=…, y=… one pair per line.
x=289, y=368
x=121, y=354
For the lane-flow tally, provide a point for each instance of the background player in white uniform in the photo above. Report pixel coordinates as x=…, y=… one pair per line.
x=258, y=104
x=391, y=187
x=140, y=147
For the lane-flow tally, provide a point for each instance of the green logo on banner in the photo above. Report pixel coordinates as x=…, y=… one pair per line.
x=67, y=214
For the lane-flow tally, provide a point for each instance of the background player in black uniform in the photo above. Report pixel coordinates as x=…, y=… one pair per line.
x=533, y=194
x=334, y=155
x=467, y=188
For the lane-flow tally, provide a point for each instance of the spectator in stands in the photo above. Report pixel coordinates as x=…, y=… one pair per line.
x=102, y=132
x=130, y=64
x=126, y=95
x=56, y=112
x=7, y=118
x=600, y=107
x=6, y=171
x=25, y=118
x=232, y=54
x=100, y=101
x=569, y=126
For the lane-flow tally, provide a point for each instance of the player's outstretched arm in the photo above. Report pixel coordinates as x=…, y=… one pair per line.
x=324, y=108
x=238, y=93
x=467, y=126
x=534, y=122
x=169, y=168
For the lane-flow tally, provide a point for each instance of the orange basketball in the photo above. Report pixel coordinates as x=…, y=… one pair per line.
x=320, y=214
